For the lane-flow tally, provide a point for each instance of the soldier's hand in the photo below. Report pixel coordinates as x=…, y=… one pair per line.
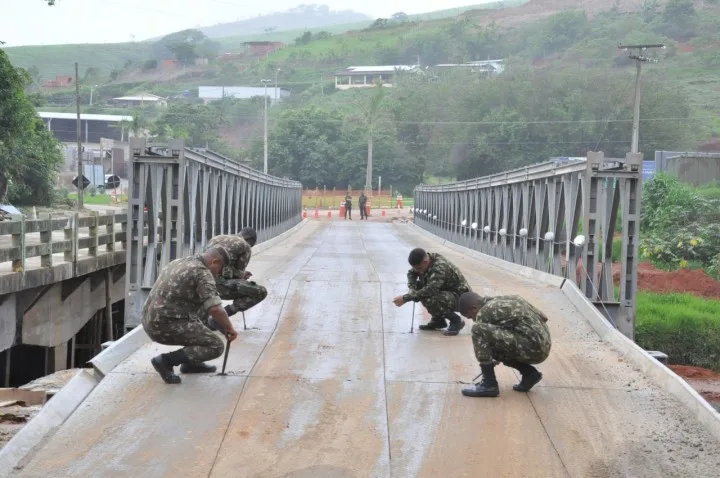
x=231, y=334
x=398, y=301
x=247, y=275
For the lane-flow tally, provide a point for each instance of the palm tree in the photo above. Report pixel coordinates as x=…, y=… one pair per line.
x=371, y=116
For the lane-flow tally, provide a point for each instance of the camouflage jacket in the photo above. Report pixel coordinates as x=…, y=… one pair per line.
x=239, y=250
x=510, y=312
x=184, y=288
x=442, y=275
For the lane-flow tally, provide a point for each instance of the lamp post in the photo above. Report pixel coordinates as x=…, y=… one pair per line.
x=265, y=161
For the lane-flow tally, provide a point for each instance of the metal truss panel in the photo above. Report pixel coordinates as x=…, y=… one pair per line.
x=556, y=218
x=181, y=197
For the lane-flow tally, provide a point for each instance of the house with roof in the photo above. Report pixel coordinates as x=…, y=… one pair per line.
x=259, y=48
x=140, y=99
x=366, y=76
x=60, y=81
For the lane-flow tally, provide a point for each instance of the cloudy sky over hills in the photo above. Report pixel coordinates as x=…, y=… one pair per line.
x=32, y=22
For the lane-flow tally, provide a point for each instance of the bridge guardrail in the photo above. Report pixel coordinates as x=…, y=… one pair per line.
x=192, y=195
x=555, y=217
x=77, y=237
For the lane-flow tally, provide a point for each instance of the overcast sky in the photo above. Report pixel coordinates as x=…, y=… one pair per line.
x=32, y=22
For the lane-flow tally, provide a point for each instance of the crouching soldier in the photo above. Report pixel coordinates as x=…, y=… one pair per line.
x=437, y=284
x=184, y=294
x=510, y=330
x=233, y=283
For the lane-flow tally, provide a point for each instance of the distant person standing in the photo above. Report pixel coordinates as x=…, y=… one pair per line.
x=348, y=206
x=362, y=202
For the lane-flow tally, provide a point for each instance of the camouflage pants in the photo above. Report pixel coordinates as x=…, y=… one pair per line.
x=244, y=294
x=199, y=343
x=442, y=306
x=502, y=344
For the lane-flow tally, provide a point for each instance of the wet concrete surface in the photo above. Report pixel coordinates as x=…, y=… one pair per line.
x=328, y=382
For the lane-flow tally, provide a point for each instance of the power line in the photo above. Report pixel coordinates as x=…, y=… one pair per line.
x=432, y=123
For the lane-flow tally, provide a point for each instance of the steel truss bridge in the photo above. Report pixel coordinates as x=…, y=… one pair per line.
x=329, y=380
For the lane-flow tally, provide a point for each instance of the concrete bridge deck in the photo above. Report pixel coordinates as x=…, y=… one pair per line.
x=328, y=382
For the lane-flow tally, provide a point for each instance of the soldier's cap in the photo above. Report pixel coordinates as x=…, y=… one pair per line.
x=223, y=253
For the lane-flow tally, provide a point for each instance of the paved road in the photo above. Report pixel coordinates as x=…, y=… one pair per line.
x=328, y=382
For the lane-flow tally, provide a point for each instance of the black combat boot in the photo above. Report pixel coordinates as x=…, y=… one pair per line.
x=488, y=387
x=456, y=325
x=530, y=375
x=197, y=368
x=165, y=363
x=434, y=324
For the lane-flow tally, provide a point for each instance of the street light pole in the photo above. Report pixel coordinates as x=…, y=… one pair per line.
x=639, y=59
x=265, y=161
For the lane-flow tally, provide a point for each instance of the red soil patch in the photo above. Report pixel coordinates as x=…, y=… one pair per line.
x=712, y=397
x=695, y=373
x=704, y=381
x=695, y=282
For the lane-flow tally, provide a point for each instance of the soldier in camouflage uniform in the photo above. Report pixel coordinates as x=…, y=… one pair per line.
x=437, y=284
x=233, y=283
x=182, y=295
x=510, y=330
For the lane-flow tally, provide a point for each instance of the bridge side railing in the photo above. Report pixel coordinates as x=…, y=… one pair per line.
x=557, y=218
x=192, y=195
x=76, y=237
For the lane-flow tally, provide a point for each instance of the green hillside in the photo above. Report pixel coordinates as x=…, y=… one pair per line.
x=53, y=60
x=566, y=89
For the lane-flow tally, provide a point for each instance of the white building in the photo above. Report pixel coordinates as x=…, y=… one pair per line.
x=366, y=76
x=212, y=93
x=140, y=99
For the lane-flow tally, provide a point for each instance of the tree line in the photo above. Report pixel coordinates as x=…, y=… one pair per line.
x=465, y=126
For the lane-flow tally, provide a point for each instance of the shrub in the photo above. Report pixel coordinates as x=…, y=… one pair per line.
x=679, y=225
x=685, y=327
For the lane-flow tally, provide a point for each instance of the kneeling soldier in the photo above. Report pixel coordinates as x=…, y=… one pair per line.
x=182, y=296
x=510, y=330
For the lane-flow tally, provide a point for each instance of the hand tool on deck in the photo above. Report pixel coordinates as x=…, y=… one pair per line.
x=227, y=351
x=412, y=323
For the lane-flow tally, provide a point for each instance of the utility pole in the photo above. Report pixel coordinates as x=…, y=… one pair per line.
x=639, y=60
x=265, y=162
x=81, y=186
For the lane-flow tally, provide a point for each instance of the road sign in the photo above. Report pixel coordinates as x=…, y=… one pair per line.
x=86, y=182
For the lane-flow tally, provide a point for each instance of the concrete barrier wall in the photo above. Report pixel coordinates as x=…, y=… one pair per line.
x=658, y=373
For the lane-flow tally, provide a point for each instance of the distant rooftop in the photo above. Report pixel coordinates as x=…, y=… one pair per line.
x=379, y=68
x=88, y=117
x=141, y=97
x=243, y=92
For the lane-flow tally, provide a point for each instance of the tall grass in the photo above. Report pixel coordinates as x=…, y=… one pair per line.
x=685, y=327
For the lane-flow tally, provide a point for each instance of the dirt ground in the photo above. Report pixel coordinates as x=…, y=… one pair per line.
x=14, y=416
x=695, y=282
x=705, y=382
